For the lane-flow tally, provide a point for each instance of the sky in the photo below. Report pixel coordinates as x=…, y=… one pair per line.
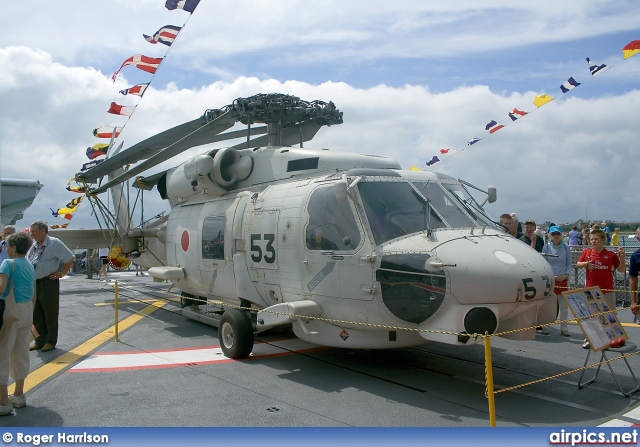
x=411, y=77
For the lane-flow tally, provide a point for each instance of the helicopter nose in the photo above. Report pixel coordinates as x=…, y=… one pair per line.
x=486, y=270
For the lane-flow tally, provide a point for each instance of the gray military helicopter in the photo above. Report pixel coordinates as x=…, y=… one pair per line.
x=348, y=249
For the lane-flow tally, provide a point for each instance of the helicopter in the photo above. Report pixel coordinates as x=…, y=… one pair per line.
x=348, y=249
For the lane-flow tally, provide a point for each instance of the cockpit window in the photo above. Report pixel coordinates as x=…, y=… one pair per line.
x=332, y=225
x=469, y=203
x=451, y=211
x=395, y=209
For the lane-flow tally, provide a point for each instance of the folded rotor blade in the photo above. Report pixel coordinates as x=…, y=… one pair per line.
x=175, y=141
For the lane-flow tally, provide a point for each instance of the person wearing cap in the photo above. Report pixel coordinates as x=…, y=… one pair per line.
x=599, y=264
x=559, y=257
x=530, y=238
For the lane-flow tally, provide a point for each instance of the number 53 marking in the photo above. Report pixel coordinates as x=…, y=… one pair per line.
x=256, y=251
x=530, y=290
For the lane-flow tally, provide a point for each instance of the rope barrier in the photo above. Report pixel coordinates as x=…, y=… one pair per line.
x=490, y=391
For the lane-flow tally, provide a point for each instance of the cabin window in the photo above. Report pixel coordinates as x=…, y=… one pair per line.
x=332, y=225
x=213, y=238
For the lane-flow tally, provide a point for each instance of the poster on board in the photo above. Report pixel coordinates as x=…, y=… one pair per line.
x=598, y=322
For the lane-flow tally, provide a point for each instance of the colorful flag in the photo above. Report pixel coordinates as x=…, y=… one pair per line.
x=165, y=35
x=67, y=211
x=77, y=188
x=569, y=85
x=492, y=126
x=515, y=114
x=541, y=100
x=596, y=69
x=89, y=165
x=137, y=90
x=97, y=150
x=73, y=204
x=107, y=132
x=433, y=161
x=187, y=5
x=473, y=141
x=117, y=109
x=631, y=48
x=144, y=63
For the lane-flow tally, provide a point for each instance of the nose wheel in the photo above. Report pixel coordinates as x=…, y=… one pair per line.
x=235, y=334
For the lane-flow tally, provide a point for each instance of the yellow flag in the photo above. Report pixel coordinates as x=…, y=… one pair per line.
x=541, y=100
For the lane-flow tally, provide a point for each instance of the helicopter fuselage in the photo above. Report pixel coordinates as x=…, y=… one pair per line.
x=368, y=256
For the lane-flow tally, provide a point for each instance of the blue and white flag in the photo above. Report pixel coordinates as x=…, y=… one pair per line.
x=91, y=164
x=187, y=5
x=433, y=161
x=473, y=141
x=596, y=69
x=165, y=35
x=569, y=85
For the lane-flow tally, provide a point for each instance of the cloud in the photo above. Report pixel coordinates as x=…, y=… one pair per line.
x=411, y=77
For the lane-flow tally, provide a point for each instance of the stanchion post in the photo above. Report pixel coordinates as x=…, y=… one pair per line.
x=488, y=365
x=116, y=304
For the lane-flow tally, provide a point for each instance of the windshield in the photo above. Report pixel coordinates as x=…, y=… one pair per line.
x=468, y=202
x=395, y=209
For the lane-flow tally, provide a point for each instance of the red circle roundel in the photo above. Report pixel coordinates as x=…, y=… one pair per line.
x=184, y=240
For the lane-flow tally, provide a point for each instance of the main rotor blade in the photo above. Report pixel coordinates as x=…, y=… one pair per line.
x=220, y=124
x=184, y=136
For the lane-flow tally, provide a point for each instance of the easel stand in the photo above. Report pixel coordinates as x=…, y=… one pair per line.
x=622, y=350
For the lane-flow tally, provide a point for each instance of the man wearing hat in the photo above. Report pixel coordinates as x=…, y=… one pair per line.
x=530, y=238
x=559, y=257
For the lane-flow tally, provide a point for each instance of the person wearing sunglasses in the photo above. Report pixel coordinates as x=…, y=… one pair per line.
x=558, y=254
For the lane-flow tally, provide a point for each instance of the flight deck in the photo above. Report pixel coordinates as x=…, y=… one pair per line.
x=169, y=370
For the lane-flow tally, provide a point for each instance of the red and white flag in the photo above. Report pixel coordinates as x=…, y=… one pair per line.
x=144, y=63
x=107, y=132
x=117, y=109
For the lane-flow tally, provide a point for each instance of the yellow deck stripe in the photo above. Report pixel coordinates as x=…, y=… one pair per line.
x=56, y=365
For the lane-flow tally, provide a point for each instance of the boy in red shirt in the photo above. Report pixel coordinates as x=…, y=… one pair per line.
x=599, y=263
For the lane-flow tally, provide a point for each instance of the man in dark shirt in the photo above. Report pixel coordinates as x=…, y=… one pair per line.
x=530, y=238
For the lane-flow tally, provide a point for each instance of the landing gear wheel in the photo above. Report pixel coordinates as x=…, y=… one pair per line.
x=186, y=300
x=235, y=334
